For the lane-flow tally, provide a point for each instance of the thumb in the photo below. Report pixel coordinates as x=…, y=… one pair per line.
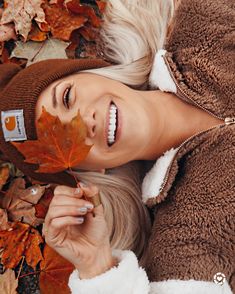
x=98, y=210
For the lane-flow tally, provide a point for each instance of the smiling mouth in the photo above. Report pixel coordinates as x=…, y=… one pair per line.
x=112, y=124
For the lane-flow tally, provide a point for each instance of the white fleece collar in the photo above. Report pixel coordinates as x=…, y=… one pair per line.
x=154, y=179
x=160, y=76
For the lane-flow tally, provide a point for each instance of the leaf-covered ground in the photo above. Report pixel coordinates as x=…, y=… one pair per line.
x=33, y=30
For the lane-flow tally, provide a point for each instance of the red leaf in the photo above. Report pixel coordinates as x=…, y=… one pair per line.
x=55, y=272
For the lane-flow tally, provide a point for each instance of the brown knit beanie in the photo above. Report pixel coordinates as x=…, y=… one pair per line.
x=19, y=91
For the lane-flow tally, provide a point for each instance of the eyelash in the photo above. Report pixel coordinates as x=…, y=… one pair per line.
x=66, y=97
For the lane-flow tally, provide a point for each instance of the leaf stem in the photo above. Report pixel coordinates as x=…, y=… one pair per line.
x=71, y=171
x=22, y=261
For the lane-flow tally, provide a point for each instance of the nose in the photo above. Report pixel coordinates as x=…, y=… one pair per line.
x=90, y=122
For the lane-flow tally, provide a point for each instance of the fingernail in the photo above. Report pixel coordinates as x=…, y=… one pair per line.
x=77, y=191
x=80, y=220
x=82, y=209
x=89, y=206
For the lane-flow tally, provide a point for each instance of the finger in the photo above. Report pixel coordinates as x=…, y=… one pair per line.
x=57, y=224
x=97, y=213
x=68, y=191
x=91, y=193
x=65, y=200
x=59, y=211
x=62, y=222
x=99, y=210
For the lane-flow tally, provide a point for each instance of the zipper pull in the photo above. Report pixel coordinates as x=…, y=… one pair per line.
x=229, y=120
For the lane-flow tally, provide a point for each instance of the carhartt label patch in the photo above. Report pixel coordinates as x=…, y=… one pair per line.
x=13, y=125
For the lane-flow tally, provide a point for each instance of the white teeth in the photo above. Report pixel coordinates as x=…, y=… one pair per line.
x=112, y=123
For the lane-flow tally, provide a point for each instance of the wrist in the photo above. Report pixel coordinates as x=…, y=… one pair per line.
x=101, y=262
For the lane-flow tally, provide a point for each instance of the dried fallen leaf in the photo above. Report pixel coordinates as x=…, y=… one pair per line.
x=4, y=175
x=19, y=202
x=22, y=12
x=101, y=5
x=1, y=47
x=36, y=34
x=59, y=146
x=76, y=7
x=55, y=272
x=35, y=51
x=42, y=206
x=7, y=32
x=4, y=225
x=8, y=282
x=62, y=22
x=20, y=240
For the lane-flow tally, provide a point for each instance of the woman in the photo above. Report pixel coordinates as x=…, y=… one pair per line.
x=189, y=119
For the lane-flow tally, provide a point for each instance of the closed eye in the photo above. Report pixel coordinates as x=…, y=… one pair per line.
x=66, y=97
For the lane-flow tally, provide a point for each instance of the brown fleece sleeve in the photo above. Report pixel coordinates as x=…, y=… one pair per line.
x=193, y=231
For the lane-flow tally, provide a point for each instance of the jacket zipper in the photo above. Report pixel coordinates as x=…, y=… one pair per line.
x=227, y=121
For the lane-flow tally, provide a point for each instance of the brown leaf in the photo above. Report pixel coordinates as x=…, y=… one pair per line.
x=22, y=12
x=4, y=225
x=8, y=282
x=36, y=34
x=19, y=202
x=59, y=146
x=20, y=240
x=55, y=272
x=4, y=175
x=37, y=51
x=101, y=5
x=88, y=33
x=76, y=7
x=1, y=47
x=62, y=22
x=7, y=32
x=42, y=206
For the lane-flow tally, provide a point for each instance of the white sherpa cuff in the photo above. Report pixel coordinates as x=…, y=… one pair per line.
x=189, y=287
x=125, y=278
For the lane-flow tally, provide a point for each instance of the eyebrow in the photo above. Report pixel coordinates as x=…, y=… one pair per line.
x=54, y=101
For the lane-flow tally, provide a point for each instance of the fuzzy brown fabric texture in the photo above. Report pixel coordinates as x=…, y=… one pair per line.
x=20, y=88
x=193, y=231
x=193, y=234
x=201, y=53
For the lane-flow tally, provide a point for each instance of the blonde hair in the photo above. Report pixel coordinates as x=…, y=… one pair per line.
x=131, y=34
x=127, y=217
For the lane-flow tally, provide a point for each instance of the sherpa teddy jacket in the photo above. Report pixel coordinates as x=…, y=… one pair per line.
x=192, y=188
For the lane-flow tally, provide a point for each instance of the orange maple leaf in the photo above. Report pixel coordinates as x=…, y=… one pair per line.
x=59, y=146
x=20, y=240
x=55, y=272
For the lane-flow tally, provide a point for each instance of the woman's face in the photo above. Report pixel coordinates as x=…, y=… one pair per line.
x=114, y=114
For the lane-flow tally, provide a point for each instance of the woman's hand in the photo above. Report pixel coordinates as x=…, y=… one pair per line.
x=78, y=231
